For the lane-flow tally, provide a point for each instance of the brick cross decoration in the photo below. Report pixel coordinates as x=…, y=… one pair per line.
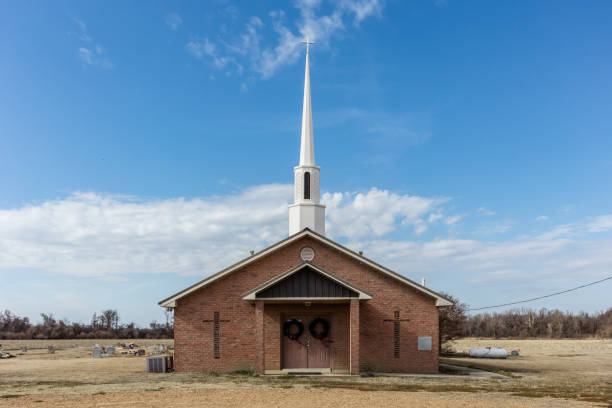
x=216, y=332
x=396, y=332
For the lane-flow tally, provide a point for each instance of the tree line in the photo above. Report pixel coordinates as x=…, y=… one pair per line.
x=522, y=323
x=105, y=325
x=454, y=323
x=541, y=323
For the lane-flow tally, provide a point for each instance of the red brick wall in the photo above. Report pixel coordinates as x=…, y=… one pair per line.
x=194, y=338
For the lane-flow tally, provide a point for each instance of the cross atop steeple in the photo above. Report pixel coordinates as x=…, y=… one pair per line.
x=308, y=43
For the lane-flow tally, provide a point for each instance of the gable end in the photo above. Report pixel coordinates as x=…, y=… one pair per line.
x=304, y=282
x=170, y=302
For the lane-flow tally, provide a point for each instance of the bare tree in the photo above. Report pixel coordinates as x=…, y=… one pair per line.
x=109, y=319
x=452, y=320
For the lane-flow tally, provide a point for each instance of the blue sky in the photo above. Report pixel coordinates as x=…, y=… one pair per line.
x=145, y=146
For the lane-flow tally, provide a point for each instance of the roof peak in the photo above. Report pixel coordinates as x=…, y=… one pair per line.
x=171, y=301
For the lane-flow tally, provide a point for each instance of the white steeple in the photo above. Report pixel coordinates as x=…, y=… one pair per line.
x=307, y=144
x=306, y=211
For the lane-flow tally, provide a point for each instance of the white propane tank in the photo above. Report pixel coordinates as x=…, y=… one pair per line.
x=488, y=352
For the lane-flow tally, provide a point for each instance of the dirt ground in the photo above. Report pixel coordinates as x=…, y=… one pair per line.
x=548, y=373
x=298, y=398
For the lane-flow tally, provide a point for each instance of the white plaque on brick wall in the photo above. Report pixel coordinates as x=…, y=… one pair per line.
x=424, y=343
x=307, y=254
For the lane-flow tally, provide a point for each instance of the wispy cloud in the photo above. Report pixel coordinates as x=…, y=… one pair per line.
x=494, y=228
x=91, y=53
x=452, y=220
x=503, y=228
x=82, y=30
x=174, y=21
x=388, y=134
x=541, y=218
x=362, y=9
x=485, y=211
x=538, y=259
x=253, y=48
x=601, y=224
x=200, y=48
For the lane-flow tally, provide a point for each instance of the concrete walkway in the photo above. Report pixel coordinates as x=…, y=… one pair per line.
x=462, y=372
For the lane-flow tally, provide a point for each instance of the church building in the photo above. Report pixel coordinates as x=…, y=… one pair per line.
x=306, y=303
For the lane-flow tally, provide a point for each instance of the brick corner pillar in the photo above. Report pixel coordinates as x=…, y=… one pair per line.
x=260, y=356
x=354, y=336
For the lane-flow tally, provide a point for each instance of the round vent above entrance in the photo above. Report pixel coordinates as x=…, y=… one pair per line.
x=307, y=254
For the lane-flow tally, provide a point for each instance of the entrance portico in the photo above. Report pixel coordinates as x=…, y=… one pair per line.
x=299, y=297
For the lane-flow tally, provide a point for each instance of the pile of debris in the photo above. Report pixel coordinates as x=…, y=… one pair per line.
x=4, y=354
x=137, y=352
x=130, y=345
x=126, y=349
x=131, y=349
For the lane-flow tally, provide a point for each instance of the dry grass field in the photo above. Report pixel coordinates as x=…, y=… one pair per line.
x=588, y=360
x=548, y=373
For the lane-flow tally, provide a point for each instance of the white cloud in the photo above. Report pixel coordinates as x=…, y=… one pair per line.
x=91, y=53
x=201, y=48
x=80, y=23
x=114, y=237
x=231, y=11
x=433, y=217
x=93, y=58
x=494, y=228
x=485, y=211
x=503, y=228
x=541, y=218
x=601, y=224
x=82, y=30
x=535, y=259
x=376, y=212
x=362, y=8
x=100, y=235
x=174, y=21
x=110, y=236
x=285, y=49
x=452, y=220
x=86, y=55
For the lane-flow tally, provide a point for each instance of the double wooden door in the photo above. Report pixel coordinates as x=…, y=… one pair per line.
x=306, y=351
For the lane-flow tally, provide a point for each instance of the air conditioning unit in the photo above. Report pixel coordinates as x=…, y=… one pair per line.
x=160, y=364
